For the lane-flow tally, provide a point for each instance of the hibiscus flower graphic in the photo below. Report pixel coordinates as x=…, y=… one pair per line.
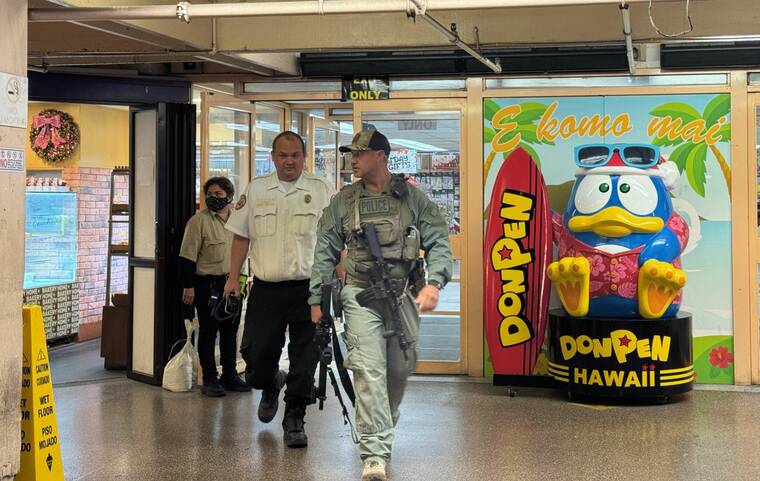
x=596, y=264
x=720, y=357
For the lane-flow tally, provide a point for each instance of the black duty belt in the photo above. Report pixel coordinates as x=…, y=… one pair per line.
x=397, y=285
x=295, y=283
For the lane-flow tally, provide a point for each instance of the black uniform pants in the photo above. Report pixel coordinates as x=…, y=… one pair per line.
x=273, y=306
x=209, y=327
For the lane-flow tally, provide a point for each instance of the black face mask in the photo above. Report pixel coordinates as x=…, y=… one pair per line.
x=216, y=203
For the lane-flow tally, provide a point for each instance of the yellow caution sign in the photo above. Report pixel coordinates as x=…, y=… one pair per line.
x=40, y=450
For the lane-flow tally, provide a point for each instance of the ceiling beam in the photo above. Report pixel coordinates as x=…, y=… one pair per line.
x=285, y=62
x=187, y=11
x=173, y=36
x=587, y=25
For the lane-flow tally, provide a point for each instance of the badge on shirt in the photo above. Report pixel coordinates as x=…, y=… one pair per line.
x=307, y=198
x=241, y=202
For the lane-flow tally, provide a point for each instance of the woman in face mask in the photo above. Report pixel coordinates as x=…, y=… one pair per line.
x=205, y=261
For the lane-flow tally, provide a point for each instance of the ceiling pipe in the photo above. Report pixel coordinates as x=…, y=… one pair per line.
x=186, y=11
x=453, y=36
x=626, y=12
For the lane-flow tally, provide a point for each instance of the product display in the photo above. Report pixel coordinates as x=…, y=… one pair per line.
x=51, y=260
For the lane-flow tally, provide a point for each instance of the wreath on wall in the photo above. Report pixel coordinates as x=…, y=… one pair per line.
x=54, y=135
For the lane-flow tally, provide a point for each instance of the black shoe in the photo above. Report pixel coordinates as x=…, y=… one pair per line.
x=292, y=426
x=212, y=388
x=234, y=383
x=270, y=398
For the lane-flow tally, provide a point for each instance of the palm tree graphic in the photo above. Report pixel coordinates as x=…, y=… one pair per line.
x=691, y=156
x=530, y=113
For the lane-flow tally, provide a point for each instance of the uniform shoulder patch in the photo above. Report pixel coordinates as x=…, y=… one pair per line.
x=241, y=202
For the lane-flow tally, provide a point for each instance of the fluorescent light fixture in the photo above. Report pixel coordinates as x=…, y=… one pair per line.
x=418, y=146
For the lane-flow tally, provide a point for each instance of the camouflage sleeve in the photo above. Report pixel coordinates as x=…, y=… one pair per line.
x=435, y=240
x=330, y=242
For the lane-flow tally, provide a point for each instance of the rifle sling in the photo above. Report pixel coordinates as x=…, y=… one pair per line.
x=345, y=380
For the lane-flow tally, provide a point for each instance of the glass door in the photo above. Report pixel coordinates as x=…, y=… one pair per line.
x=270, y=121
x=323, y=149
x=226, y=139
x=426, y=138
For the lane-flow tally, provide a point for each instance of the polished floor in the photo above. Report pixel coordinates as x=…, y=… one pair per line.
x=451, y=429
x=78, y=363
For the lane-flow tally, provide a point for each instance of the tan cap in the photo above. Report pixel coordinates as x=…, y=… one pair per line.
x=368, y=139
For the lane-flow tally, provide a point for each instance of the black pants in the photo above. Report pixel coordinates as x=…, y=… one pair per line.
x=273, y=306
x=209, y=326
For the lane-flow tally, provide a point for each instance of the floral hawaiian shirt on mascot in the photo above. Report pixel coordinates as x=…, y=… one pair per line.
x=620, y=240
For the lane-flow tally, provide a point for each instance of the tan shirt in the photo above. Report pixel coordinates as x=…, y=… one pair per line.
x=207, y=243
x=281, y=225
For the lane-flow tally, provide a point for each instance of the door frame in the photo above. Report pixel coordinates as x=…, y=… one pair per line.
x=460, y=246
x=173, y=181
x=753, y=108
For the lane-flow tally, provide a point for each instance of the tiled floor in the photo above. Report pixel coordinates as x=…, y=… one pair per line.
x=452, y=429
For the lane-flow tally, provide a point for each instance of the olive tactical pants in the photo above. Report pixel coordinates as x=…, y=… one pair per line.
x=380, y=370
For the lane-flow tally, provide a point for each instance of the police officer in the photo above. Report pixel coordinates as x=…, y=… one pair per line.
x=205, y=260
x=406, y=220
x=276, y=223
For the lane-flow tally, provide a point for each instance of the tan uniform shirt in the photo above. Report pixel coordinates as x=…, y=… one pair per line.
x=281, y=225
x=207, y=243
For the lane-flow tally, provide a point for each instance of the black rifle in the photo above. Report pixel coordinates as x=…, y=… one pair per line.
x=382, y=288
x=326, y=340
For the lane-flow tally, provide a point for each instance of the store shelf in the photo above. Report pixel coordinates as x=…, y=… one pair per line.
x=119, y=249
x=120, y=209
x=118, y=212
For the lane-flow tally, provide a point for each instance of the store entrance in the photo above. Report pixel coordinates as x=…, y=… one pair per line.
x=427, y=144
x=76, y=235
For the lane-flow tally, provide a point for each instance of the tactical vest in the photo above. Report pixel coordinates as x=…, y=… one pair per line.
x=397, y=242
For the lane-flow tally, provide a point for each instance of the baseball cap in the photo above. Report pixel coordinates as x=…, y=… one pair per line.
x=368, y=139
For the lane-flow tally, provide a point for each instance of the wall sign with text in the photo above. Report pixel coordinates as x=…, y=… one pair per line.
x=365, y=88
x=60, y=308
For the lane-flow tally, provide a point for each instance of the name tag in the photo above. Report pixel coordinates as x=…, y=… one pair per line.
x=264, y=202
x=380, y=205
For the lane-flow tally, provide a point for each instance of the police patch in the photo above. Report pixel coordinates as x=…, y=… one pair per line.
x=241, y=202
x=368, y=206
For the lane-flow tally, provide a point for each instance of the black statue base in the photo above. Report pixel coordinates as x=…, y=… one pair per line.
x=621, y=358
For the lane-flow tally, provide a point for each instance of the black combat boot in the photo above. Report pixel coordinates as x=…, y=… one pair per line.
x=234, y=383
x=270, y=397
x=292, y=426
x=212, y=388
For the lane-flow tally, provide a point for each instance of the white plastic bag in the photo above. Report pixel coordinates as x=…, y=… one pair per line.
x=178, y=373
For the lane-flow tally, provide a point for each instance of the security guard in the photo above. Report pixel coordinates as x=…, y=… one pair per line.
x=205, y=260
x=406, y=221
x=277, y=219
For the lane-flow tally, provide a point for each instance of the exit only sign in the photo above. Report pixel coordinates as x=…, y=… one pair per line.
x=365, y=88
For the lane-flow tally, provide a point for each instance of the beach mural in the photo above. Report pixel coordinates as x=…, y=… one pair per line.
x=692, y=131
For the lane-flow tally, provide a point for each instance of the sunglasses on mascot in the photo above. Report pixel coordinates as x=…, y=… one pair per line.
x=633, y=155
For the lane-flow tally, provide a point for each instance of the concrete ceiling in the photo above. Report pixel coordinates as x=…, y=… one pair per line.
x=263, y=47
